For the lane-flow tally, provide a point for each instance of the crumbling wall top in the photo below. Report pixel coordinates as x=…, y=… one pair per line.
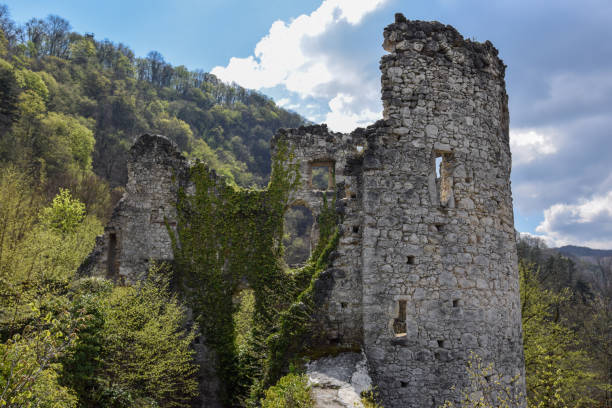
x=158, y=144
x=433, y=39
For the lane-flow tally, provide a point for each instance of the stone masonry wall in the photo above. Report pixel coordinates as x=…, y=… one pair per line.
x=137, y=233
x=439, y=259
x=425, y=271
x=339, y=288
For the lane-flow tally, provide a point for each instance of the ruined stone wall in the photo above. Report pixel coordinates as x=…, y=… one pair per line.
x=439, y=259
x=426, y=268
x=425, y=271
x=339, y=287
x=137, y=233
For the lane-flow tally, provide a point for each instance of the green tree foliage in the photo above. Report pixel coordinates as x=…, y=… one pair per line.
x=369, y=398
x=65, y=213
x=37, y=322
x=70, y=108
x=18, y=214
x=27, y=369
x=557, y=369
x=66, y=342
x=71, y=141
x=566, y=337
x=216, y=254
x=291, y=391
x=135, y=350
x=296, y=240
x=52, y=78
x=582, y=304
x=9, y=92
x=256, y=333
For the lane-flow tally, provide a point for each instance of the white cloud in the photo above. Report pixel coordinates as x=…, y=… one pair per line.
x=282, y=102
x=292, y=55
x=342, y=118
x=587, y=223
x=529, y=144
x=293, y=107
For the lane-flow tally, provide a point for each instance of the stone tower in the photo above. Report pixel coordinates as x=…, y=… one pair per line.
x=439, y=257
x=425, y=271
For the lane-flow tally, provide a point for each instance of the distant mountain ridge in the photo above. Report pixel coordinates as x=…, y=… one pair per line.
x=578, y=251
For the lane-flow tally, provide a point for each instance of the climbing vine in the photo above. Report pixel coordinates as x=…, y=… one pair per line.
x=228, y=239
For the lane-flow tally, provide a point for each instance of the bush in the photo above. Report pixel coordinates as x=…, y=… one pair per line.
x=291, y=391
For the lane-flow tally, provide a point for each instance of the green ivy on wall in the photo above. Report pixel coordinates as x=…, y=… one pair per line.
x=228, y=239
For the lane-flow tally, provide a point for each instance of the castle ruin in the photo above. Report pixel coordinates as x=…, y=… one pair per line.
x=425, y=271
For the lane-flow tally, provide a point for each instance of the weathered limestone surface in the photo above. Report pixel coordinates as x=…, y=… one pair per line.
x=442, y=96
x=137, y=233
x=337, y=382
x=426, y=268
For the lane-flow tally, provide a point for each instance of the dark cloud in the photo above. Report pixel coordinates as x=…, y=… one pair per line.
x=580, y=168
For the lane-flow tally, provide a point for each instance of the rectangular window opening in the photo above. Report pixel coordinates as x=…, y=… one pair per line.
x=399, y=324
x=439, y=227
x=322, y=176
x=410, y=260
x=438, y=165
x=355, y=229
x=456, y=303
x=441, y=343
x=343, y=305
x=403, y=384
x=444, y=181
x=111, y=261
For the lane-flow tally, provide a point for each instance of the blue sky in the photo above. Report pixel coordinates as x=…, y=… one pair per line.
x=320, y=59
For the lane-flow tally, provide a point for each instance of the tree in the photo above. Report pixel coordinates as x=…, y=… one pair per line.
x=147, y=351
x=57, y=40
x=557, y=368
x=69, y=131
x=65, y=213
x=291, y=391
x=27, y=377
x=9, y=92
x=83, y=51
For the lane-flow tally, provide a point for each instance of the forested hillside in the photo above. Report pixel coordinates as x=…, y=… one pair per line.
x=567, y=325
x=72, y=103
